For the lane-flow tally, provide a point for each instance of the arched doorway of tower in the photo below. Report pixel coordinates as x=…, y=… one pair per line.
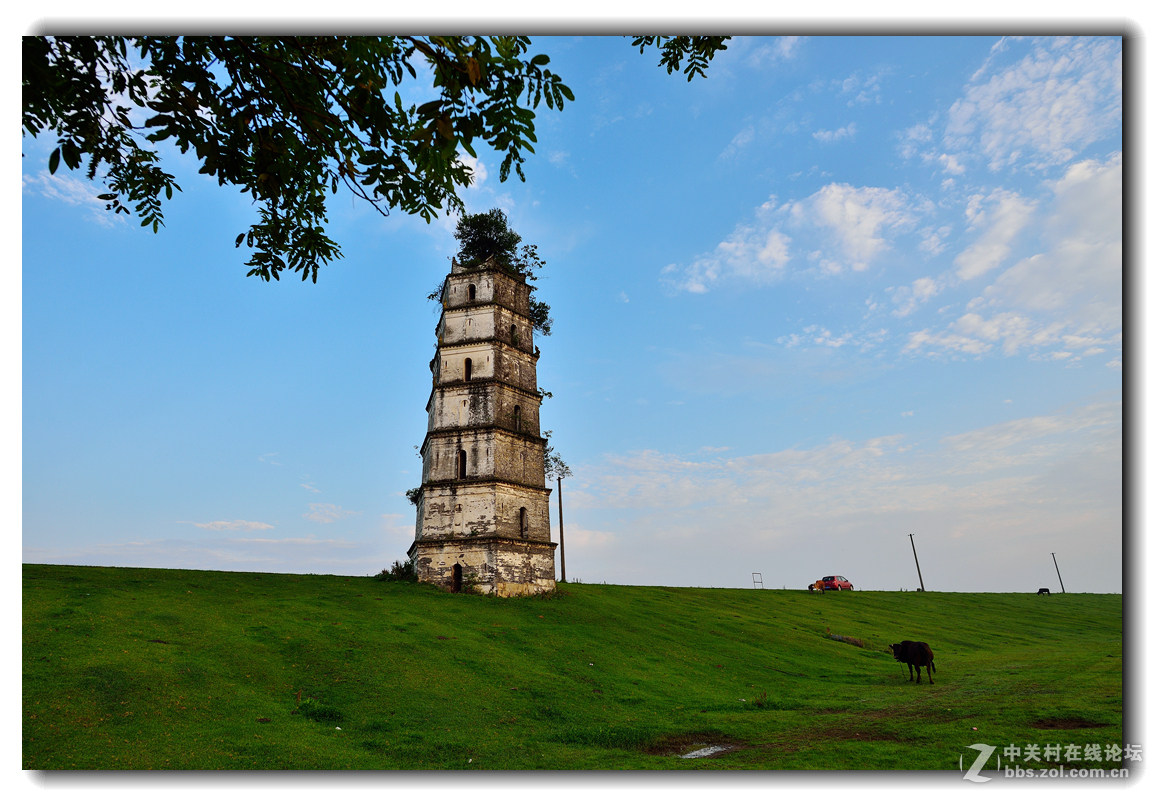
x=456, y=585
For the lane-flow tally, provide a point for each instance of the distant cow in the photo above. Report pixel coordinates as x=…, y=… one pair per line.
x=917, y=655
x=1044, y=591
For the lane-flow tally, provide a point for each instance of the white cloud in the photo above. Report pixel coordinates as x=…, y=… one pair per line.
x=1000, y=216
x=1066, y=300
x=973, y=334
x=944, y=342
x=857, y=217
x=910, y=298
x=755, y=252
x=739, y=141
x=1012, y=330
x=848, y=225
x=1041, y=110
x=864, y=89
x=846, y=132
x=558, y=157
x=399, y=526
x=824, y=337
x=309, y=488
x=991, y=440
x=912, y=138
x=297, y=555
x=480, y=172
x=933, y=239
x=232, y=526
x=984, y=499
x=579, y=538
x=309, y=540
x=782, y=48
x=1080, y=274
x=947, y=163
x=65, y=188
x=327, y=513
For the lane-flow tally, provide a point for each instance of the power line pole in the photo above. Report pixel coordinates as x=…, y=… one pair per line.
x=917, y=571
x=562, y=549
x=1058, y=571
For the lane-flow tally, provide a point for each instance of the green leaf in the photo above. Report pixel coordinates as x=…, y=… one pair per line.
x=54, y=160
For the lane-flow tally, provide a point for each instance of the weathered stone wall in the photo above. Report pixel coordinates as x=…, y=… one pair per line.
x=472, y=404
x=488, y=361
x=482, y=322
x=501, y=567
x=484, y=510
x=490, y=285
x=490, y=454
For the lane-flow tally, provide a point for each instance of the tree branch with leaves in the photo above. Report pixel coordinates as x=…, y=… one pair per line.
x=289, y=120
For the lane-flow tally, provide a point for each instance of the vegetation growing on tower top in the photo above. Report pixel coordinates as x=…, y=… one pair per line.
x=485, y=235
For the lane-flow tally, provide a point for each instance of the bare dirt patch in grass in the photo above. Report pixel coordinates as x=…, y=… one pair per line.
x=853, y=732
x=1067, y=723
x=683, y=743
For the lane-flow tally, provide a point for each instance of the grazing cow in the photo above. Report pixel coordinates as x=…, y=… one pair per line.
x=917, y=655
x=1044, y=591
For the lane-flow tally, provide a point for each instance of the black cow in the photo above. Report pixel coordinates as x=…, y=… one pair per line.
x=917, y=655
x=1043, y=590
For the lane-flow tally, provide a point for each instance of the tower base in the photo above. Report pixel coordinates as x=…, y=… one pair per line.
x=497, y=566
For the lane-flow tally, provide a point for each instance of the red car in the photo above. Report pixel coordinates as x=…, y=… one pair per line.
x=836, y=583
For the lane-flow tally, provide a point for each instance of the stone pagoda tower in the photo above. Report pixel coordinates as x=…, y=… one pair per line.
x=484, y=506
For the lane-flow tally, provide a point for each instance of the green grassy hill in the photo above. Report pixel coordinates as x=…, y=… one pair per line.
x=144, y=668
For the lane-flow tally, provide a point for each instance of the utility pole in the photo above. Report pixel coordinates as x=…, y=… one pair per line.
x=1058, y=571
x=917, y=571
x=562, y=550
x=556, y=468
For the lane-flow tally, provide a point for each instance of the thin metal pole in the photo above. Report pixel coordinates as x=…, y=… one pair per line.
x=1058, y=571
x=562, y=549
x=917, y=571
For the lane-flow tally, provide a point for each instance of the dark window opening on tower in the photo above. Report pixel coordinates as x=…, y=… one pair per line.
x=461, y=464
x=514, y=335
x=522, y=522
x=469, y=368
x=456, y=584
x=518, y=418
x=473, y=292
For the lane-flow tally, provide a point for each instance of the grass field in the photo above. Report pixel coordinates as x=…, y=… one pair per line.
x=144, y=668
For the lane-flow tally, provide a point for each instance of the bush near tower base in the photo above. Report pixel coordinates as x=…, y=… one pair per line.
x=132, y=668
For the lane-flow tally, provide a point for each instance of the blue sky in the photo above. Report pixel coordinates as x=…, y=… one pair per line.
x=841, y=290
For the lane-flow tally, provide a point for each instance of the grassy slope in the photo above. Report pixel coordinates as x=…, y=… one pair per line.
x=144, y=668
